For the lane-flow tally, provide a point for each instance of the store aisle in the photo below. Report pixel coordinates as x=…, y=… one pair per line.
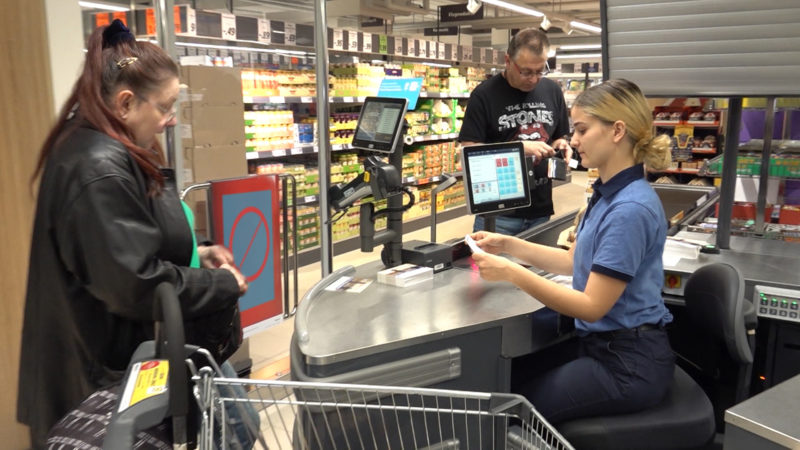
x=269, y=350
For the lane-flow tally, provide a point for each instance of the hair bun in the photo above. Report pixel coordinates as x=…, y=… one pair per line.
x=115, y=33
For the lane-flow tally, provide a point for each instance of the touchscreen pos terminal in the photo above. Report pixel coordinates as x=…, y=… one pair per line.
x=495, y=177
x=380, y=123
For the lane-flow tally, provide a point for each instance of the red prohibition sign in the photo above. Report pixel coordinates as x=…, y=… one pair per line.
x=244, y=212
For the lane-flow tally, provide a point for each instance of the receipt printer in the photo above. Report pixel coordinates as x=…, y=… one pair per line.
x=428, y=254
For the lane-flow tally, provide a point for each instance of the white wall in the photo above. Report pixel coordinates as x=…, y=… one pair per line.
x=65, y=43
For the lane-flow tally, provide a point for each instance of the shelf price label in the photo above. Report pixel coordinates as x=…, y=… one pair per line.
x=398, y=46
x=383, y=44
x=290, y=33
x=191, y=22
x=367, y=45
x=228, y=26
x=411, y=47
x=466, y=51
x=440, y=52
x=352, y=38
x=279, y=153
x=338, y=40
x=264, y=31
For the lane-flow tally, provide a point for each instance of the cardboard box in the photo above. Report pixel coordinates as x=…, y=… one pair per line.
x=213, y=86
x=208, y=126
x=215, y=163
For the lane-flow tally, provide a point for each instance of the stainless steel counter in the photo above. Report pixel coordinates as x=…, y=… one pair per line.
x=761, y=261
x=768, y=420
x=336, y=326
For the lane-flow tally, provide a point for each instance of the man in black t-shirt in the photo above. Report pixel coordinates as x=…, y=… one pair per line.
x=520, y=105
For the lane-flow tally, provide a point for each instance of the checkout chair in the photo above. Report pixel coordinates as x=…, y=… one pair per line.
x=715, y=304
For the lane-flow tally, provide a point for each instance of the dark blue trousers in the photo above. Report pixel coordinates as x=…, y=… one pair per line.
x=614, y=373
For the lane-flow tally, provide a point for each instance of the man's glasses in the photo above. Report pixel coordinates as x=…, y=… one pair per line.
x=531, y=74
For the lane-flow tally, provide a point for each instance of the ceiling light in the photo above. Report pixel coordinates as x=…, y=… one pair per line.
x=104, y=6
x=545, y=25
x=515, y=8
x=585, y=26
x=473, y=6
x=581, y=47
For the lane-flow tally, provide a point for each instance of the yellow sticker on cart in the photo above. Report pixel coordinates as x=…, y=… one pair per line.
x=146, y=379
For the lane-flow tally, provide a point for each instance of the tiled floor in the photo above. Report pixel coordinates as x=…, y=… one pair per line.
x=269, y=349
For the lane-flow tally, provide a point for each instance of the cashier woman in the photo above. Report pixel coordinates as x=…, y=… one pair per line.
x=625, y=363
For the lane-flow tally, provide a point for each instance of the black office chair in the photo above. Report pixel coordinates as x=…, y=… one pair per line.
x=686, y=417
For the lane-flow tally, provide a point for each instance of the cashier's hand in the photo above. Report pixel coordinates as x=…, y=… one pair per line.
x=494, y=243
x=538, y=149
x=214, y=256
x=563, y=146
x=240, y=279
x=492, y=267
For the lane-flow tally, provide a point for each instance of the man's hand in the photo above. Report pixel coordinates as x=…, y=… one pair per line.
x=214, y=256
x=563, y=146
x=538, y=149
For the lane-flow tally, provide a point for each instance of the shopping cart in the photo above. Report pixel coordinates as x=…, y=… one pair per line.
x=306, y=415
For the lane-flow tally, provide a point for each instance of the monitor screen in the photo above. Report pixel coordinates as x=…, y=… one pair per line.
x=495, y=177
x=380, y=124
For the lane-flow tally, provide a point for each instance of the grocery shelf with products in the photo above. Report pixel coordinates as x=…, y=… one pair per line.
x=277, y=99
x=694, y=126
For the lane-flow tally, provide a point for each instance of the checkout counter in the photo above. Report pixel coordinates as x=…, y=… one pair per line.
x=456, y=331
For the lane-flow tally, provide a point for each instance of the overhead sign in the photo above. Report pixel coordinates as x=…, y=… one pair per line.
x=407, y=88
x=441, y=31
x=457, y=13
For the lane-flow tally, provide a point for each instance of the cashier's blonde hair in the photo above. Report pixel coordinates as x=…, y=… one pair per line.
x=620, y=99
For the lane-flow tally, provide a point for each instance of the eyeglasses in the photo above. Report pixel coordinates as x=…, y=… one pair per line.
x=531, y=74
x=169, y=113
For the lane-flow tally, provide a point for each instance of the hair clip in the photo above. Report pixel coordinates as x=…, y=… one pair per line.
x=124, y=62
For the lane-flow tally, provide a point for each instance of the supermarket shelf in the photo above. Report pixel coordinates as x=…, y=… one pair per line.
x=299, y=150
x=432, y=137
x=690, y=171
x=442, y=95
x=348, y=99
x=311, y=255
x=412, y=181
x=674, y=123
x=308, y=149
x=574, y=75
x=303, y=99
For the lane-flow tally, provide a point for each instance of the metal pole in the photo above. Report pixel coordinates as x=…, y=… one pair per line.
x=729, y=161
x=323, y=136
x=766, y=152
x=165, y=34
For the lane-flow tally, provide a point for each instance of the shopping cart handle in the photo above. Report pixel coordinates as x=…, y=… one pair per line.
x=301, y=319
x=142, y=407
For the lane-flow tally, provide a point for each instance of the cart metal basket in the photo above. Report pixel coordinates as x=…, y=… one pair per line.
x=305, y=415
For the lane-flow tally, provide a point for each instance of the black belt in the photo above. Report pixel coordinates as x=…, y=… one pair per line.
x=625, y=331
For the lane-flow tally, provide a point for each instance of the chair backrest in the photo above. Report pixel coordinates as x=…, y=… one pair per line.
x=714, y=297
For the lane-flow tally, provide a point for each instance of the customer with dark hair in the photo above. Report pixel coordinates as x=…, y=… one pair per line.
x=109, y=227
x=625, y=362
x=519, y=104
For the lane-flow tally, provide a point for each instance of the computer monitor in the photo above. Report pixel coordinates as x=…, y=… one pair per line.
x=380, y=124
x=495, y=177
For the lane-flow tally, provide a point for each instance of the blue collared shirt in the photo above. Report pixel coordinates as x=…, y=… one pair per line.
x=622, y=235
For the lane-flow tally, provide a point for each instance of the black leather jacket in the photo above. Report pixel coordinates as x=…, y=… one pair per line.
x=100, y=246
